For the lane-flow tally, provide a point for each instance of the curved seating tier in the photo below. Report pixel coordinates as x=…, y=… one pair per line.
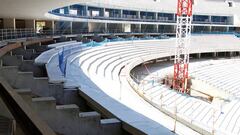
x=226, y=113
x=102, y=73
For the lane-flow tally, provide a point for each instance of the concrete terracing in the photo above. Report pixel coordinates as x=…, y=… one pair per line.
x=65, y=112
x=102, y=79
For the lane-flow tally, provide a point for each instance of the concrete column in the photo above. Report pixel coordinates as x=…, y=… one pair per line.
x=71, y=27
x=215, y=54
x=9, y=23
x=174, y=27
x=174, y=17
x=209, y=18
x=192, y=28
x=199, y=55
x=121, y=13
x=90, y=29
x=156, y=28
x=156, y=16
x=104, y=10
x=86, y=10
x=53, y=27
x=106, y=28
x=227, y=29
x=140, y=28
x=69, y=9
x=126, y=27
x=139, y=14
x=210, y=28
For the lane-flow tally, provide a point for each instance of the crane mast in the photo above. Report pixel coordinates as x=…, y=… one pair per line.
x=183, y=33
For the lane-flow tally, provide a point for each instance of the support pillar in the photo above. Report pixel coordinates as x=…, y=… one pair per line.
x=215, y=54
x=199, y=55
x=174, y=17
x=121, y=13
x=139, y=14
x=86, y=11
x=71, y=27
x=227, y=29
x=106, y=27
x=140, y=28
x=126, y=27
x=192, y=28
x=156, y=16
x=156, y=28
x=104, y=11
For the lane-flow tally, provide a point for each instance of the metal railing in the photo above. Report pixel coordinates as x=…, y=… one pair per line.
x=26, y=33
x=16, y=34
x=8, y=34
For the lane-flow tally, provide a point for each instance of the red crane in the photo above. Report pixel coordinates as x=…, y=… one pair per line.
x=183, y=33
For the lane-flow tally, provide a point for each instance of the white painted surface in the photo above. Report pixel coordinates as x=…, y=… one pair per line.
x=96, y=72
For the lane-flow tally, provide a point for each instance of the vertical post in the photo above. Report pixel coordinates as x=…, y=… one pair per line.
x=213, y=116
x=104, y=10
x=156, y=15
x=175, y=119
x=161, y=97
x=86, y=10
x=140, y=28
x=53, y=28
x=156, y=28
x=139, y=14
x=121, y=13
x=71, y=27
x=106, y=27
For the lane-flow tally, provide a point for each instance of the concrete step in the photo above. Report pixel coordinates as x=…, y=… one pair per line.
x=38, y=48
x=113, y=125
x=9, y=73
x=8, y=60
x=26, y=66
x=26, y=94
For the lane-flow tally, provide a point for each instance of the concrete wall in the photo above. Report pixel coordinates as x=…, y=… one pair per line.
x=20, y=23
x=68, y=120
x=30, y=24
x=126, y=27
x=96, y=27
x=9, y=23
x=80, y=27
